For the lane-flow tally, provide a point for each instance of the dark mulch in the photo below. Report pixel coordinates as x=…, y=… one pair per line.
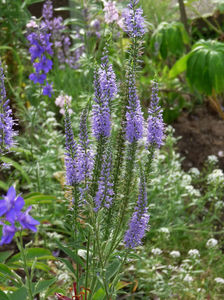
x=202, y=134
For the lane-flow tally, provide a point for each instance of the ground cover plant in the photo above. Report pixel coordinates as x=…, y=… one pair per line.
x=95, y=203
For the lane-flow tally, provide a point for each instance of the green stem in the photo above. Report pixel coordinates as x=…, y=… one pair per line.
x=23, y=254
x=87, y=265
x=101, y=259
x=97, y=165
x=74, y=229
x=127, y=186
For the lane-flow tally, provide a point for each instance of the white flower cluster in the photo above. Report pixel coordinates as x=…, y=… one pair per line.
x=216, y=177
x=211, y=243
x=194, y=172
x=175, y=254
x=213, y=159
x=156, y=251
x=219, y=280
x=61, y=100
x=194, y=253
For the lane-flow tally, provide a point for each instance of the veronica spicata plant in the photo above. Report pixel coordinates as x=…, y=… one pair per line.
x=106, y=219
x=7, y=133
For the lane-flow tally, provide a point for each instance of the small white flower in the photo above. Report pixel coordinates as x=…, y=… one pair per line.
x=32, y=23
x=194, y=253
x=188, y=278
x=213, y=159
x=219, y=204
x=221, y=153
x=192, y=191
x=164, y=230
x=186, y=179
x=61, y=100
x=194, y=172
x=211, y=243
x=217, y=177
x=175, y=254
x=219, y=280
x=156, y=251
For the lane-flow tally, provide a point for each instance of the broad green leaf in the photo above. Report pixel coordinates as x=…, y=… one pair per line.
x=32, y=253
x=4, y=186
x=43, y=285
x=113, y=268
x=99, y=295
x=16, y=166
x=205, y=70
x=39, y=199
x=20, y=294
x=3, y=296
x=179, y=67
x=4, y=255
x=39, y=265
x=6, y=270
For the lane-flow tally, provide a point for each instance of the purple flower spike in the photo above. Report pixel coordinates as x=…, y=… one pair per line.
x=8, y=233
x=105, y=90
x=155, y=119
x=134, y=21
x=105, y=191
x=134, y=116
x=139, y=220
x=6, y=121
x=101, y=111
x=85, y=155
x=27, y=221
x=11, y=205
x=72, y=174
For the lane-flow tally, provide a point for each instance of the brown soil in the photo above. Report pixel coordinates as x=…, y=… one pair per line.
x=202, y=133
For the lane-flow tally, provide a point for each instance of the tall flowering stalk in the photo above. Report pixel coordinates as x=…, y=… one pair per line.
x=105, y=91
x=155, y=130
x=72, y=172
x=105, y=225
x=105, y=192
x=139, y=221
x=7, y=122
x=85, y=155
x=155, y=119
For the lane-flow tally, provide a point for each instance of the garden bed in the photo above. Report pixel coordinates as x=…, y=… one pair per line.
x=202, y=133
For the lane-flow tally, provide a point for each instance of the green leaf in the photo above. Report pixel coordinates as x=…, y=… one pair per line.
x=4, y=186
x=32, y=253
x=20, y=294
x=4, y=255
x=5, y=270
x=205, y=70
x=179, y=67
x=39, y=265
x=43, y=285
x=70, y=253
x=99, y=295
x=3, y=296
x=16, y=166
x=39, y=199
x=113, y=268
x=68, y=264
